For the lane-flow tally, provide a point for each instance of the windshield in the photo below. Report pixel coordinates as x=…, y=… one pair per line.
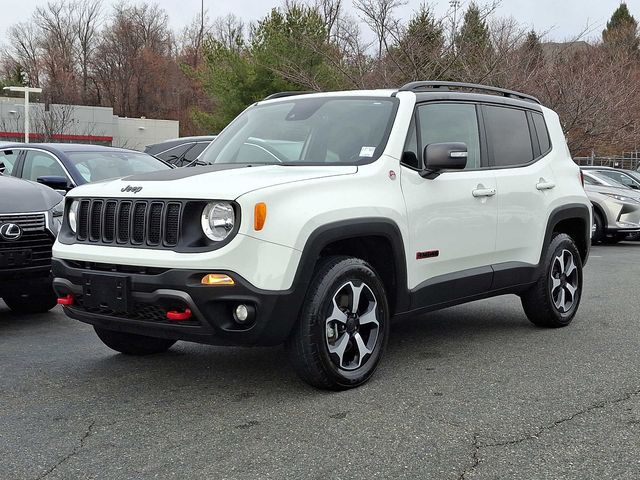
x=306, y=131
x=103, y=165
x=606, y=181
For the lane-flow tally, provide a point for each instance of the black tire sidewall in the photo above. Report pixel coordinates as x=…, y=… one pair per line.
x=350, y=270
x=598, y=235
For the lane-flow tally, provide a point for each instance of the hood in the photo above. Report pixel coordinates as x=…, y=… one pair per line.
x=219, y=182
x=23, y=196
x=627, y=192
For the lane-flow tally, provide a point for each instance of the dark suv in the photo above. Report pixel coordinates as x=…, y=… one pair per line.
x=30, y=216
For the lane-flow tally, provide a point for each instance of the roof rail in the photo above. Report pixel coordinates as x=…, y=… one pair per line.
x=286, y=94
x=446, y=86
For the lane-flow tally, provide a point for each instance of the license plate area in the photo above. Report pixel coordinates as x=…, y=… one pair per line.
x=15, y=258
x=106, y=292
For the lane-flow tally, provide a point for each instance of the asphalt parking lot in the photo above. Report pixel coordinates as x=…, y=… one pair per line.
x=473, y=392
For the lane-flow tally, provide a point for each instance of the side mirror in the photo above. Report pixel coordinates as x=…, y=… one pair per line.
x=443, y=156
x=55, y=182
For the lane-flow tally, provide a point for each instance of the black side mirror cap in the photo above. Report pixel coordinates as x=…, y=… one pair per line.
x=443, y=156
x=54, y=181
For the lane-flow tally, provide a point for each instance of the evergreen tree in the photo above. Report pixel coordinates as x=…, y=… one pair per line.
x=532, y=52
x=473, y=37
x=622, y=29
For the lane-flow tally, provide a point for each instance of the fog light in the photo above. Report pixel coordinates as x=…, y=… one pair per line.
x=217, y=279
x=243, y=313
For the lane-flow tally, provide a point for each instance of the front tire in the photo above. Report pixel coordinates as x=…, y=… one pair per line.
x=554, y=299
x=40, y=302
x=343, y=328
x=598, y=234
x=132, y=344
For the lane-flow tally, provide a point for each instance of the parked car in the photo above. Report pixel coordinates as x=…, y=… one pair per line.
x=323, y=216
x=181, y=152
x=30, y=217
x=616, y=208
x=63, y=166
x=627, y=178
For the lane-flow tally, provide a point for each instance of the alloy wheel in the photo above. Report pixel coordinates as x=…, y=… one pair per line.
x=352, y=329
x=564, y=281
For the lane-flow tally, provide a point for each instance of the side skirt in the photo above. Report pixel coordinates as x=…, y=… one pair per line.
x=470, y=285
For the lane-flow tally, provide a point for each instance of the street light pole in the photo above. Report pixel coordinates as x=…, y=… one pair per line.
x=26, y=91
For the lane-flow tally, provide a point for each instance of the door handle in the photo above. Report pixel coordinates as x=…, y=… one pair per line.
x=484, y=192
x=543, y=185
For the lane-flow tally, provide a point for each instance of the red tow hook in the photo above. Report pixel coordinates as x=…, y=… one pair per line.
x=178, y=316
x=66, y=300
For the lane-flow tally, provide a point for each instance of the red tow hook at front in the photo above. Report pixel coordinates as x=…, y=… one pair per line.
x=178, y=316
x=66, y=300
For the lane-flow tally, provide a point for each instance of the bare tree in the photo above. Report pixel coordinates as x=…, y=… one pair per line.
x=86, y=29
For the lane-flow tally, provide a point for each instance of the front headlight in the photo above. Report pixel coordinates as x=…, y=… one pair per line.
x=218, y=220
x=73, y=216
x=621, y=198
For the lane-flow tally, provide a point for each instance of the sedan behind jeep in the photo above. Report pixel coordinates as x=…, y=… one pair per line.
x=320, y=217
x=30, y=217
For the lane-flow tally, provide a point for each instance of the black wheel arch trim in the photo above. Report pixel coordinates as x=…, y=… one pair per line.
x=568, y=212
x=353, y=229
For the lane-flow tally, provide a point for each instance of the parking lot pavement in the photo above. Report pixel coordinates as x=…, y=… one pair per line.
x=473, y=392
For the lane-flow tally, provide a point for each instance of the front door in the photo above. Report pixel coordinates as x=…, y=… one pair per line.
x=452, y=218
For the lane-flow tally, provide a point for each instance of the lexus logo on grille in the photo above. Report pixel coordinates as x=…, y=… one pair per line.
x=131, y=189
x=10, y=231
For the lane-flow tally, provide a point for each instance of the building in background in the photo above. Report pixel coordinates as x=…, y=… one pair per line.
x=81, y=124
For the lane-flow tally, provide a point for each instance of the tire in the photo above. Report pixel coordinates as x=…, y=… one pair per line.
x=32, y=302
x=326, y=347
x=543, y=303
x=598, y=235
x=132, y=344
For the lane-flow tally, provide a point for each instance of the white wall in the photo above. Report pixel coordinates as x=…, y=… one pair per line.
x=137, y=133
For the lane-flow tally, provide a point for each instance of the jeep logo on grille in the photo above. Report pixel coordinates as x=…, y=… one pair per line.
x=131, y=189
x=10, y=231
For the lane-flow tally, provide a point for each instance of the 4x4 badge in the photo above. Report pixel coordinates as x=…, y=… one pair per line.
x=131, y=189
x=10, y=231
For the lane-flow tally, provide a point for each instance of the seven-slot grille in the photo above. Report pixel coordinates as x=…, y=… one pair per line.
x=129, y=222
x=35, y=237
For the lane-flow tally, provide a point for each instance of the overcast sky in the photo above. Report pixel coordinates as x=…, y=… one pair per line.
x=563, y=19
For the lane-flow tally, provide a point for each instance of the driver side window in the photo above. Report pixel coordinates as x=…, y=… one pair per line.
x=450, y=122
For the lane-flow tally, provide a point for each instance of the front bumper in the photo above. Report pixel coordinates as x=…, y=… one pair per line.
x=155, y=291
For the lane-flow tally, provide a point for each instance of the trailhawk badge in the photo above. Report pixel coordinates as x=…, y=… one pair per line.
x=131, y=189
x=10, y=231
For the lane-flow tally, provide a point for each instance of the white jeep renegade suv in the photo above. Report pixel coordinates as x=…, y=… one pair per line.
x=323, y=216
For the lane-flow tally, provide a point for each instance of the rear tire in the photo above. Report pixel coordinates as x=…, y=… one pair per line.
x=554, y=299
x=132, y=344
x=343, y=328
x=32, y=302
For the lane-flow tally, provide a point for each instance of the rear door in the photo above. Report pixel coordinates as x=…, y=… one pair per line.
x=452, y=218
x=521, y=154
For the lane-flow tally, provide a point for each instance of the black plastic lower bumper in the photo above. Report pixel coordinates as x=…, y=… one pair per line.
x=24, y=280
x=151, y=293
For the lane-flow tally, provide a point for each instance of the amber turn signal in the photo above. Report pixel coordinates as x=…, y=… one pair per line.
x=259, y=216
x=217, y=279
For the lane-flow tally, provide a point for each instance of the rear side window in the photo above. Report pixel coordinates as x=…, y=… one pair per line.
x=508, y=136
x=541, y=131
x=451, y=122
x=7, y=161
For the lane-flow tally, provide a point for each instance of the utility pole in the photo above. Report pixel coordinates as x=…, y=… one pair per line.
x=26, y=91
x=454, y=4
